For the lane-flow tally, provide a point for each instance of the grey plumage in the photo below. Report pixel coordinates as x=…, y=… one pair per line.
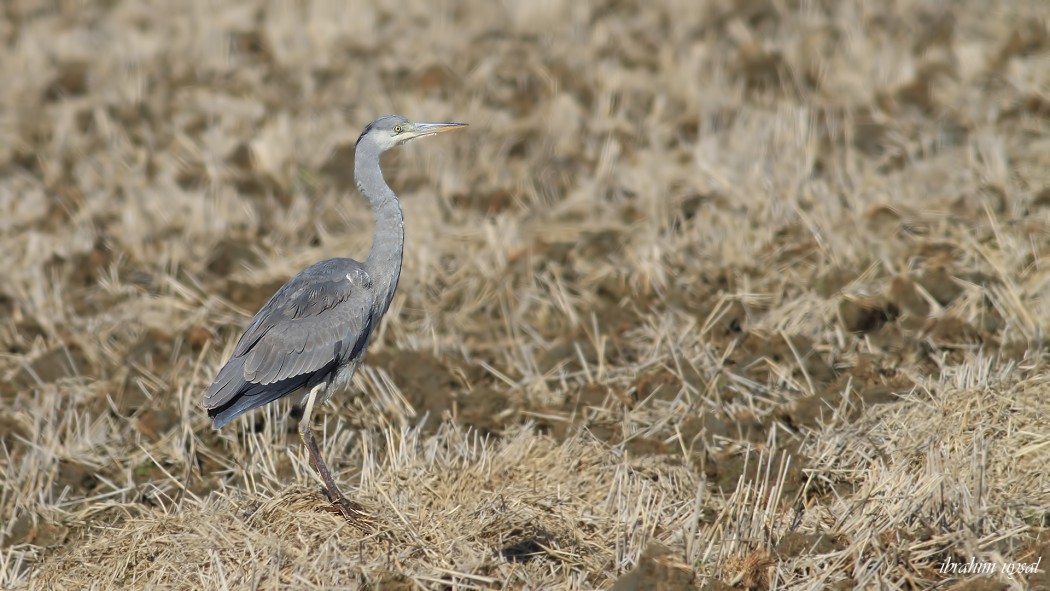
x=314, y=323
x=313, y=333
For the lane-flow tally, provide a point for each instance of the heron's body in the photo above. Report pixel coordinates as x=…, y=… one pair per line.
x=313, y=333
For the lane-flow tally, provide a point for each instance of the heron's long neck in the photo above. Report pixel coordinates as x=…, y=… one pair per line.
x=384, y=260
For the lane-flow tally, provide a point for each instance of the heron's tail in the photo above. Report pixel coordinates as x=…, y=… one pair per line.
x=254, y=396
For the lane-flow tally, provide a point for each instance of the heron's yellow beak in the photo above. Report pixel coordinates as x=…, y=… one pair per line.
x=425, y=129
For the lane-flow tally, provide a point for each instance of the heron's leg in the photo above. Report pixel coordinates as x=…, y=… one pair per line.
x=353, y=512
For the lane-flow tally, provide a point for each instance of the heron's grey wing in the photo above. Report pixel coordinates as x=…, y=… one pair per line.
x=317, y=319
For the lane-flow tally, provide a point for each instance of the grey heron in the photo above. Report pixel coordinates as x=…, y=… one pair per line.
x=312, y=335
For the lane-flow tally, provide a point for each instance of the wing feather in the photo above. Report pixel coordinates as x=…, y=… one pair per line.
x=298, y=332
x=274, y=363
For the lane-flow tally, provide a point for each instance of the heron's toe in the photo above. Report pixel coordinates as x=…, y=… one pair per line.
x=354, y=513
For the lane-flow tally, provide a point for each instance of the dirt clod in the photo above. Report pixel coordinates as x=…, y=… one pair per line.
x=658, y=568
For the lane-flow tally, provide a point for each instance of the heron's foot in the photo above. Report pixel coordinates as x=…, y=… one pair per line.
x=353, y=513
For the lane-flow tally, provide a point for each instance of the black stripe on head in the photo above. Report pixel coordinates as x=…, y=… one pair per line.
x=364, y=133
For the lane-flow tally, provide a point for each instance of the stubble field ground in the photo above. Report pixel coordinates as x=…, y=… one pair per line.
x=709, y=294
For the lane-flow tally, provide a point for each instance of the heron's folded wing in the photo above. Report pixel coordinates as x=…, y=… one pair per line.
x=310, y=323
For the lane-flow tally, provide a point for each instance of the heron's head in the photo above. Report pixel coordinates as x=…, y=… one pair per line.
x=390, y=131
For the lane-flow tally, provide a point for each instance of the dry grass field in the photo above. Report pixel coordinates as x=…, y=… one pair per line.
x=711, y=294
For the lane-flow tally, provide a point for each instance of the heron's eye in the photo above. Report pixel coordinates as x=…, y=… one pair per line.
x=397, y=129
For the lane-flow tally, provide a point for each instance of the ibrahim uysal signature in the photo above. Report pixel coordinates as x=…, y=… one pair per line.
x=989, y=568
